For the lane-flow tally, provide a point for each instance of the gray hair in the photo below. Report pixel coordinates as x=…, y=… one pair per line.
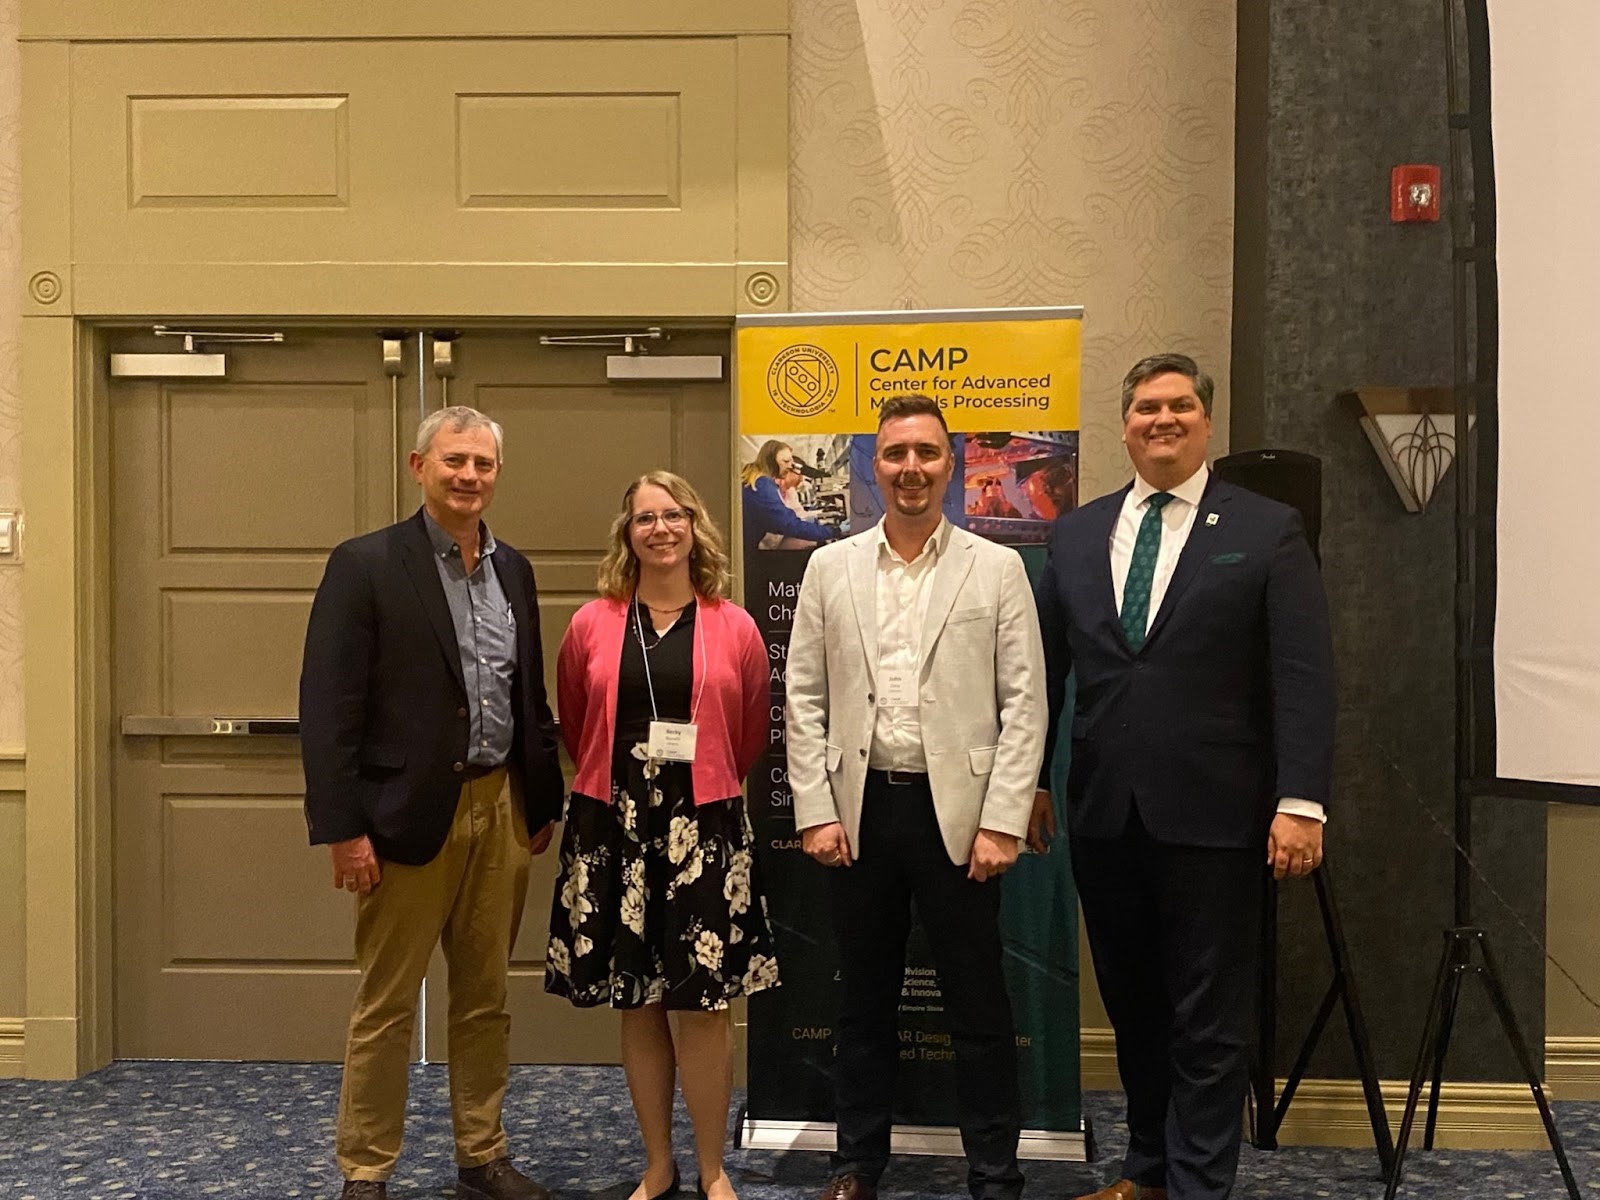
x=1167, y=364
x=458, y=418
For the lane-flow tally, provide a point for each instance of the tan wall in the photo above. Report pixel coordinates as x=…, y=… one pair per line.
x=1572, y=1022
x=12, y=962
x=1573, y=922
x=10, y=402
x=13, y=985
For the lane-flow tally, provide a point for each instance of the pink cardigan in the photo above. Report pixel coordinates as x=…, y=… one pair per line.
x=733, y=707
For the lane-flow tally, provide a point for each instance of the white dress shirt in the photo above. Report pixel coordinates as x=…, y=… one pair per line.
x=903, y=589
x=1177, y=519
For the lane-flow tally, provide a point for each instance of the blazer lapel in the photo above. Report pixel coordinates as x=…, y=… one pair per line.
x=949, y=573
x=1195, y=552
x=862, y=567
x=424, y=574
x=1103, y=588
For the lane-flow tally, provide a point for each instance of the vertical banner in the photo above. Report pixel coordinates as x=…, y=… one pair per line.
x=808, y=389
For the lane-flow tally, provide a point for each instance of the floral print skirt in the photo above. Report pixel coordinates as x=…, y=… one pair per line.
x=657, y=900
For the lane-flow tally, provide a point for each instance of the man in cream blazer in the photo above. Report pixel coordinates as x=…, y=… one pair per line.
x=916, y=727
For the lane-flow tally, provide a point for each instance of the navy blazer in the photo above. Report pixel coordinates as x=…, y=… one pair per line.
x=1228, y=706
x=383, y=705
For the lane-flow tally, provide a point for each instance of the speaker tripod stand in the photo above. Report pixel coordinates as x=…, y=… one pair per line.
x=1269, y=1112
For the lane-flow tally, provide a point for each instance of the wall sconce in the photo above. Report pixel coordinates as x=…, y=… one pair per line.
x=1413, y=431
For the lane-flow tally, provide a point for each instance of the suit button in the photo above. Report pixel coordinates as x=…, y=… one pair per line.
x=863, y=752
x=461, y=712
x=460, y=767
x=869, y=698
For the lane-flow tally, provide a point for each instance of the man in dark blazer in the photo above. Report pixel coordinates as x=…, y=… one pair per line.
x=431, y=774
x=1202, y=745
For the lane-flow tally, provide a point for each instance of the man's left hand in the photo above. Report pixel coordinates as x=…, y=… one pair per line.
x=1294, y=845
x=539, y=842
x=993, y=854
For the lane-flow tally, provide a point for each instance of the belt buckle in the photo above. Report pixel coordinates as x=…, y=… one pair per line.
x=900, y=778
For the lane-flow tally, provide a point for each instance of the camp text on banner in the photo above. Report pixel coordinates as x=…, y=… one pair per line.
x=990, y=374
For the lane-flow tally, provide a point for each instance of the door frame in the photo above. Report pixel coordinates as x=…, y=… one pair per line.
x=67, y=312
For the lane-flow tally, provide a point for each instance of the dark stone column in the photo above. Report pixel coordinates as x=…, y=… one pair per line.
x=1332, y=296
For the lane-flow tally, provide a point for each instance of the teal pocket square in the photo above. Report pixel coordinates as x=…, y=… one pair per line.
x=1225, y=559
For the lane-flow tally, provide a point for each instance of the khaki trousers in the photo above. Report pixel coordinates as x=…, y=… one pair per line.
x=469, y=900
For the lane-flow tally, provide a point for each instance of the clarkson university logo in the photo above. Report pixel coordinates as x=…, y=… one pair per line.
x=803, y=380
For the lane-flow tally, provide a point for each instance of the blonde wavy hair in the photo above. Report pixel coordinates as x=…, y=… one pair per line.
x=709, y=568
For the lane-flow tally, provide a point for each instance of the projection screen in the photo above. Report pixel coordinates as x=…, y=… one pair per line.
x=1545, y=112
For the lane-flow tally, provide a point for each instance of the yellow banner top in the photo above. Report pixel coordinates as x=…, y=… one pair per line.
x=987, y=375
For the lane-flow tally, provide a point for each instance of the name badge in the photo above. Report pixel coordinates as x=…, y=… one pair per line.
x=671, y=741
x=898, y=689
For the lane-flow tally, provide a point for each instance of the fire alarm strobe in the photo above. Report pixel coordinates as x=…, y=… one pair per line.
x=1414, y=193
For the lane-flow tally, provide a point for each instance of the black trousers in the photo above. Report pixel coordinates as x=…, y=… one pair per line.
x=901, y=858
x=1174, y=933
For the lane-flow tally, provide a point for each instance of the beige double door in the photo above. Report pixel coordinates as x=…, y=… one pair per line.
x=226, y=497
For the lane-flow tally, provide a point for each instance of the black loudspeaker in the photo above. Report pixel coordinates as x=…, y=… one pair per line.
x=1287, y=476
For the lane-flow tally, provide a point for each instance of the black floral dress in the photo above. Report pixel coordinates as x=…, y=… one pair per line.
x=657, y=900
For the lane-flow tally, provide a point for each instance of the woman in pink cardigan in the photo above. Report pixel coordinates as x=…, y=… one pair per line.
x=663, y=695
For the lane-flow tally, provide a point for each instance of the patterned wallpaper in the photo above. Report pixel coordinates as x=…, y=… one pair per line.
x=967, y=153
x=10, y=400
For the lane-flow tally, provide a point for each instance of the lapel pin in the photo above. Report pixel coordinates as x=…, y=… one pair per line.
x=1211, y=518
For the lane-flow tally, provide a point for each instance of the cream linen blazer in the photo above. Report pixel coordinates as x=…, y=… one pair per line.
x=982, y=697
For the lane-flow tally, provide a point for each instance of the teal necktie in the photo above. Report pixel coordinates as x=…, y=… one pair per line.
x=1135, y=615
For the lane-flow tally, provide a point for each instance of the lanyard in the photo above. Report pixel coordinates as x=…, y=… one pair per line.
x=700, y=642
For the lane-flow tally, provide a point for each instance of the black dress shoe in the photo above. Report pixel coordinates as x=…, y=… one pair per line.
x=364, y=1189
x=498, y=1180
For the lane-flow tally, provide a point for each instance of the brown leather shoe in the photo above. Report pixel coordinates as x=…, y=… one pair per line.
x=498, y=1180
x=848, y=1187
x=364, y=1189
x=1127, y=1189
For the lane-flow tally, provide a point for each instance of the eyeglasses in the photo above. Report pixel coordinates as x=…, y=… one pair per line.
x=672, y=518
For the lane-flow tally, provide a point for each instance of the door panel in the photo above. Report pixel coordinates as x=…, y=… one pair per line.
x=226, y=498
x=257, y=467
x=573, y=442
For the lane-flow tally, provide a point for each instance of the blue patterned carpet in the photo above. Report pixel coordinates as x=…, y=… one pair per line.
x=165, y=1131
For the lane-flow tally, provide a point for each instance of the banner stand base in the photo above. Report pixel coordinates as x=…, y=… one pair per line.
x=751, y=1133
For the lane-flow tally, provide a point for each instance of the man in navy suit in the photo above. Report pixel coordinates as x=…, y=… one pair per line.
x=1202, y=743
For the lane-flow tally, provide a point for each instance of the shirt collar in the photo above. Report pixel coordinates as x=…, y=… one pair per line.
x=934, y=545
x=445, y=546
x=1191, y=490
